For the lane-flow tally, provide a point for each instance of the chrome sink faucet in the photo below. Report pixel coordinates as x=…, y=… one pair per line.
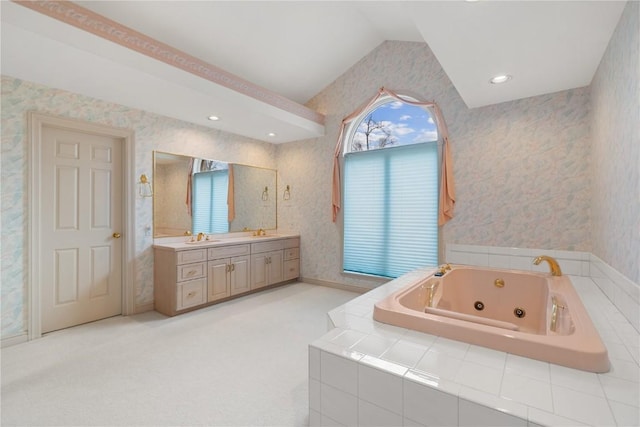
x=555, y=267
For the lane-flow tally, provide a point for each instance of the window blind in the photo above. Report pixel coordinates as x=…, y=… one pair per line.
x=391, y=210
x=210, y=202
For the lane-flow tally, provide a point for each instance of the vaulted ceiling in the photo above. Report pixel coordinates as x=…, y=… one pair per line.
x=255, y=63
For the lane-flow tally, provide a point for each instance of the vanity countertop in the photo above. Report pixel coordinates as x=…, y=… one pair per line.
x=181, y=243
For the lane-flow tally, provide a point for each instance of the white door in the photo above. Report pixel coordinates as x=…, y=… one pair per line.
x=80, y=224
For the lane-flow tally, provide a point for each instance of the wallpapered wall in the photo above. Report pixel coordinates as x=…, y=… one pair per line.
x=152, y=132
x=521, y=168
x=615, y=97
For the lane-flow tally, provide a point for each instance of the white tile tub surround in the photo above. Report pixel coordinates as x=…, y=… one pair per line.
x=364, y=372
x=571, y=262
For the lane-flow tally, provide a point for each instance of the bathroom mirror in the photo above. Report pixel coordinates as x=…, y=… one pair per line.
x=223, y=197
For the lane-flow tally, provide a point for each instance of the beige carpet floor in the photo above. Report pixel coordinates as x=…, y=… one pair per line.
x=240, y=363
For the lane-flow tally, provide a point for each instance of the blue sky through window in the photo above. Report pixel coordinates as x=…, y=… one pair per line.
x=393, y=124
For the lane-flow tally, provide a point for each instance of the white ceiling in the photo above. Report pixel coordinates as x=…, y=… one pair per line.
x=297, y=48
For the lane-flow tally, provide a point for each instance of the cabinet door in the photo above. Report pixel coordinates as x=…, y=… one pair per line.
x=259, y=270
x=276, y=268
x=240, y=275
x=218, y=279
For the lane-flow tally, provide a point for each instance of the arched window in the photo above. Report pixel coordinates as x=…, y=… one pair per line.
x=390, y=189
x=391, y=123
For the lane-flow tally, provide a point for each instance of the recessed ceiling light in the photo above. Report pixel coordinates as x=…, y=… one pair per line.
x=213, y=118
x=272, y=134
x=501, y=78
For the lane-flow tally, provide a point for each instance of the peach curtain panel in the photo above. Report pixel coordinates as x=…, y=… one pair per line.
x=447, y=187
x=231, y=199
x=188, y=201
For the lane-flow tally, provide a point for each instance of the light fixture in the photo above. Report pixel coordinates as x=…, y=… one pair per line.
x=213, y=118
x=271, y=134
x=144, y=187
x=500, y=78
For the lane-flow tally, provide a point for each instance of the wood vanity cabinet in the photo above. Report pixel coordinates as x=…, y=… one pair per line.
x=230, y=275
x=274, y=261
x=266, y=268
x=180, y=280
x=186, y=279
x=291, y=265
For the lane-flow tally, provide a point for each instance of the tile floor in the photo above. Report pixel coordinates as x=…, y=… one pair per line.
x=239, y=363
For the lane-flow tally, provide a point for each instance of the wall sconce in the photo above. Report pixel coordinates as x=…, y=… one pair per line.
x=287, y=193
x=144, y=187
x=265, y=194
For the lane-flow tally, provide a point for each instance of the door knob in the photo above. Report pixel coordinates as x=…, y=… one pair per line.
x=116, y=235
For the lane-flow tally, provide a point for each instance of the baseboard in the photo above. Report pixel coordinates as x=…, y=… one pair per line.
x=143, y=308
x=335, y=285
x=17, y=339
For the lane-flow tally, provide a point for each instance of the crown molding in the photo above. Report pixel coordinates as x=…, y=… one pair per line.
x=87, y=20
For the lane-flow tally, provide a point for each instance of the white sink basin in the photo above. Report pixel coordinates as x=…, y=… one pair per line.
x=201, y=242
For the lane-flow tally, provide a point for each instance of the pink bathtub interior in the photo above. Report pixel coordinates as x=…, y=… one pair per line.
x=535, y=315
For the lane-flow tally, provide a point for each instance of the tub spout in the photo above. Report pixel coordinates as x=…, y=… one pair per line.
x=443, y=269
x=555, y=267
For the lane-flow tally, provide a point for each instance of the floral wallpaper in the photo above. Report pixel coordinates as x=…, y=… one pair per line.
x=521, y=167
x=151, y=132
x=556, y=171
x=615, y=127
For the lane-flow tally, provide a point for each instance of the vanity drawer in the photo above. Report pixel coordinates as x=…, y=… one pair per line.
x=191, y=271
x=291, y=253
x=228, y=251
x=272, y=245
x=291, y=269
x=194, y=255
x=191, y=293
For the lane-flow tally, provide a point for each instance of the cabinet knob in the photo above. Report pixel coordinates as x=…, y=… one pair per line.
x=116, y=235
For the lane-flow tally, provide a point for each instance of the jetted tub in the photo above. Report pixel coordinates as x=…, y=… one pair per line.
x=535, y=315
